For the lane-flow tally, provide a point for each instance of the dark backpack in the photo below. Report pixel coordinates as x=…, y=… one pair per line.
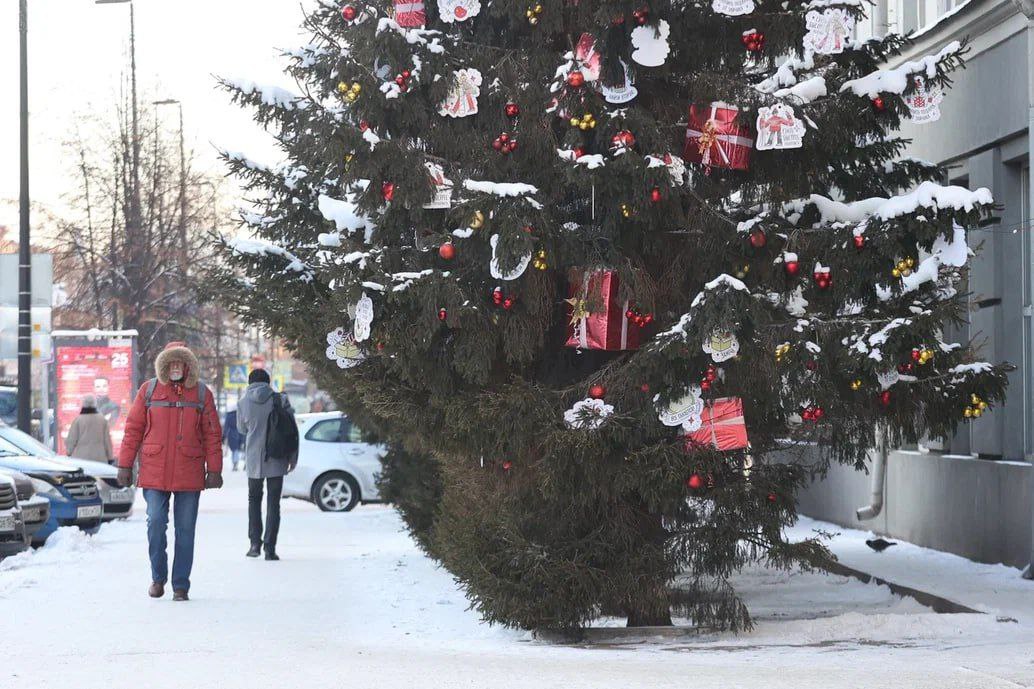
x=281, y=432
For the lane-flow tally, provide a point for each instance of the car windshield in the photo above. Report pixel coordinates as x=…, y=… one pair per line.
x=23, y=442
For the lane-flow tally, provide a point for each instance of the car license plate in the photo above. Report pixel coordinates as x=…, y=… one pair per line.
x=121, y=495
x=31, y=514
x=7, y=523
x=89, y=512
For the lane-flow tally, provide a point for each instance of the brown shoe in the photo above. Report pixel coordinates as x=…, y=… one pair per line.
x=156, y=591
x=180, y=594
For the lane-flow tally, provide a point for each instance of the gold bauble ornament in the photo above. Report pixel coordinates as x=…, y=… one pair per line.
x=856, y=384
x=477, y=221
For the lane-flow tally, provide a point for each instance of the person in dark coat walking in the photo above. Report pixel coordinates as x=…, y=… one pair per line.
x=232, y=438
x=253, y=421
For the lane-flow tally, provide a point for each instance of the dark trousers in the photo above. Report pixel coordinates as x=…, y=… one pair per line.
x=276, y=487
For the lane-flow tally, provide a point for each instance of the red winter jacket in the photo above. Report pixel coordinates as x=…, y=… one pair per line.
x=176, y=445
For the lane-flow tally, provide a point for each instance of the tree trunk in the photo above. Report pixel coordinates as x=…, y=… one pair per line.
x=649, y=618
x=652, y=607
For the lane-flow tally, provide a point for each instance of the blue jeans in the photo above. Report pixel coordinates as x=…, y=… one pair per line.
x=235, y=457
x=184, y=512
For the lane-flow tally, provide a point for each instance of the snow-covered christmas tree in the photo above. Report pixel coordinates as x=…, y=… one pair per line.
x=633, y=273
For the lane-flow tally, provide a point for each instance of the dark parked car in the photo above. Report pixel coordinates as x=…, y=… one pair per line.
x=12, y=529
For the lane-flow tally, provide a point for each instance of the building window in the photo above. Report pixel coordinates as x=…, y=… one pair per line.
x=915, y=15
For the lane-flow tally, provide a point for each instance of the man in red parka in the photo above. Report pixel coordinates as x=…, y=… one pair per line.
x=174, y=429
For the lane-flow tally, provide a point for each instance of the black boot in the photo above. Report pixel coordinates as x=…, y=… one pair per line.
x=271, y=553
x=255, y=550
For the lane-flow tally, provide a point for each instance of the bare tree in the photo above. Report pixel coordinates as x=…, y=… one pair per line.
x=132, y=247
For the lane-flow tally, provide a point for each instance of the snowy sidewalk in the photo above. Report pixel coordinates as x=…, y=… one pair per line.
x=353, y=603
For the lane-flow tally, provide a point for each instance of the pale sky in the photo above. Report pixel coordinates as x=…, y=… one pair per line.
x=78, y=51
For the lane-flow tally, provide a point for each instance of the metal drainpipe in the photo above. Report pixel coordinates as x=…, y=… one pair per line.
x=1027, y=8
x=879, y=475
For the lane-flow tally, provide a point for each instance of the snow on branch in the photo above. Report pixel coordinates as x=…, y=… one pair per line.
x=786, y=74
x=425, y=37
x=345, y=216
x=926, y=195
x=257, y=247
x=504, y=189
x=805, y=91
x=954, y=253
x=270, y=95
x=897, y=80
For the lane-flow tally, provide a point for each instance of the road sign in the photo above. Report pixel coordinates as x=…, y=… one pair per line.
x=235, y=375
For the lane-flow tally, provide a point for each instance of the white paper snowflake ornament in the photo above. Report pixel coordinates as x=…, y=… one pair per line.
x=650, y=45
x=462, y=99
x=451, y=11
x=829, y=31
x=924, y=103
x=342, y=348
x=497, y=272
x=588, y=414
x=779, y=128
x=733, y=8
x=363, y=318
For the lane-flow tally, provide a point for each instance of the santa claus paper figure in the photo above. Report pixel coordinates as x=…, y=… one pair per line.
x=828, y=31
x=458, y=10
x=778, y=127
x=463, y=96
x=410, y=15
x=585, y=53
x=924, y=104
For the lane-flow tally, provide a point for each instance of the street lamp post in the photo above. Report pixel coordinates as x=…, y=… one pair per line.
x=183, y=182
x=24, y=248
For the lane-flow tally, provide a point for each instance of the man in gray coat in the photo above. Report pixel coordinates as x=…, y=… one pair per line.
x=253, y=422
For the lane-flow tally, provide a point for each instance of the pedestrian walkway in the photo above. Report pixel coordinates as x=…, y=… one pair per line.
x=354, y=603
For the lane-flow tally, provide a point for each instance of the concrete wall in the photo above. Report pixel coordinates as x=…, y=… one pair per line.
x=971, y=507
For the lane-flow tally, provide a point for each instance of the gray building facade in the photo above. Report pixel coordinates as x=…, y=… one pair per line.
x=972, y=494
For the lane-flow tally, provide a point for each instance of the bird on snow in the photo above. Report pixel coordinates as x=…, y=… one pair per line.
x=879, y=544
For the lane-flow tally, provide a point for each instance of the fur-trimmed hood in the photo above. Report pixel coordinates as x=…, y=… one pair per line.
x=177, y=351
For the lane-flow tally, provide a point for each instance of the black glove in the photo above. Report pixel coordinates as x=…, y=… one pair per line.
x=213, y=480
x=125, y=477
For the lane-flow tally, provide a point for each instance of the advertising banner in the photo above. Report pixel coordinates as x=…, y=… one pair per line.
x=101, y=367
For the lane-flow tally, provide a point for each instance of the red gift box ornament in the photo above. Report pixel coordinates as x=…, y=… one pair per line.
x=410, y=15
x=722, y=427
x=714, y=139
x=598, y=320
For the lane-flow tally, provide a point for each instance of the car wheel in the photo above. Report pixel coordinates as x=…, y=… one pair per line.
x=336, y=493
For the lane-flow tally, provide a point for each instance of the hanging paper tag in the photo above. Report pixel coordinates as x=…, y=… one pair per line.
x=651, y=44
x=828, y=30
x=363, y=318
x=343, y=349
x=733, y=8
x=622, y=92
x=924, y=104
x=442, y=187
x=458, y=10
x=463, y=95
x=778, y=127
x=722, y=346
x=684, y=411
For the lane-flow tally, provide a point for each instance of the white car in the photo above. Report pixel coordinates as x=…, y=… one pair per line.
x=336, y=469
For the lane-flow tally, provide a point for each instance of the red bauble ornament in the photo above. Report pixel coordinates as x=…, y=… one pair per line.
x=363, y=125
x=447, y=251
x=905, y=368
x=380, y=346
x=771, y=497
x=406, y=74
x=823, y=279
x=811, y=365
x=758, y=239
x=808, y=414
x=705, y=385
x=792, y=267
x=916, y=355
x=388, y=191
x=442, y=314
x=878, y=103
x=578, y=152
x=508, y=303
x=575, y=79
x=497, y=144
x=753, y=41
x=885, y=398
x=711, y=373
x=349, y=13
x=597, y=391
x=644, y=388
x=695, y=482
x=512, y=110
x=859, y=241
x=655, y=195
x=623, y=139
x=641, y=15
x=817, y=413
x=507, y=465
x=497, y=296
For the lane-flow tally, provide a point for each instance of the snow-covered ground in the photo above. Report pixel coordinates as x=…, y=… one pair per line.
x=354, y=604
